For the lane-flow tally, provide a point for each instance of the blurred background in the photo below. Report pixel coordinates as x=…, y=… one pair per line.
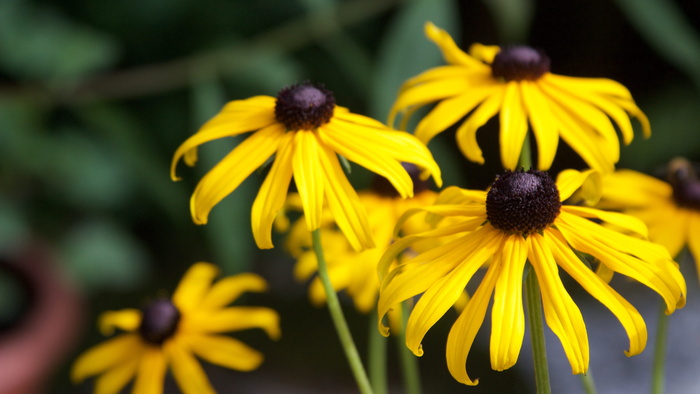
x=95, y=96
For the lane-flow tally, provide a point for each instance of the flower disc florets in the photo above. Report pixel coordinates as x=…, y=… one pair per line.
x=159, y=321
x=383, y=187
x=685, y=183
x=519, y=63
x=522, y=202
x=304, y=107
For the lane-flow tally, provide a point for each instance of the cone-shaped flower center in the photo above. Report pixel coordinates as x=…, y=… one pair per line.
x=304, y=107
x=522, y=202
x=686, y=186
x=517, y=63
x=383, y=187
x=159, y=321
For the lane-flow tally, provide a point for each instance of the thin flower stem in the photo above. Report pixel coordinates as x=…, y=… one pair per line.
x=341, y=326
x=539, y=351
x=409, y=362
x=377, y=357
x=657, y=376
x=588, y=382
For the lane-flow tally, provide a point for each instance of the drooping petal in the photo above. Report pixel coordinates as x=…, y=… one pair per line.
x=450, y=50
x=125, y=319
x=272, y=193
x=560, y=311
x=507, y=316
x=308, y=177
x=693, y=238
x=114, y=380
x=463, y=332
x=188, y=373
x=543, y=123
x=513, y=125
x=226, y=351
x=466, y=133
x=228, y=289
x=105, y=356
x=194, y=286
x=151, y=373
x=236, y=318
x=631, y=320
x=232, y=170
x=624, y=221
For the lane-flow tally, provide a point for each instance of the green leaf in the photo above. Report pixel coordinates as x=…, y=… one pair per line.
x=405, y=51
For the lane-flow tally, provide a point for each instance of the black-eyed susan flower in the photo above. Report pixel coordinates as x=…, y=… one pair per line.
x=516, y=83
x=352, y=271
x=169, y=333
x=305, y=132
x=671, y=209
x=522, y=218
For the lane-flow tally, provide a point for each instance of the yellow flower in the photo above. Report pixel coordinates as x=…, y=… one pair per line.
x=305, y=131
x=522, y=218
x=350, y=270
x=670, y=210
x=516, y=82
x=170, y=332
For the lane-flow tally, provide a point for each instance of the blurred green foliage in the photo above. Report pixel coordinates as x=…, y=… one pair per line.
x=95, y=96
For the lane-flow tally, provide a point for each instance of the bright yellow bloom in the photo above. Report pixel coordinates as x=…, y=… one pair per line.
x=305, y=131
x=171, y=332
x=516, y=83
x=670, y=210
x=521, y=218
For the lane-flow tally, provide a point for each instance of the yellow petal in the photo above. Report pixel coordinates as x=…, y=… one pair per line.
x=631, y=320
x=228, y=289
x=601, y=86
x=543, y=123
x=628, y=189
x=425, y=93
x=507, y=316
x=194, y=285
x=590, y=182
x=272, y=193
x=105, y=356
x=151, y=373
x=114, y=380
x=513, y=126
x=125, y=319
x=466, y=133
x=450, y=50
x=188, y=373
x=436, y=74
x=693, y=238
x=308, y=177
x=485, y=53
x=626, y=222
x=236, y=319
x=226, y=351
x=560, y=311
x=235, y=118
x=463, y=332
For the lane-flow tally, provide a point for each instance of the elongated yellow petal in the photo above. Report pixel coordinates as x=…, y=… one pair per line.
x=435, y=74
x=236, y=318
x=626, y=222
x=693, y=238
x=106, y=356
x=649, y=190
x=507, y=316
x=151, y=373
x=308, y=177
x=235, y=118
x=543, y=123
x=463, y=332
x=228, y=289
x=226, y=351
x=114, y=380
x=450, y=50
x=345, y=206
x=602, y=86
x=631, y=320
x=194, y=285
x=272, y=193
x=513, y=126
x=428, y=92
x=633, y=110
x=560, y=311
x=125, y=319
x=233, y=169
x=485, y=53
x=466, y=133
x=188, y=373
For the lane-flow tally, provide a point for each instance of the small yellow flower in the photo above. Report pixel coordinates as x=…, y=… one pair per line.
x=305, y=131
x=516, y=82
x=171, y=332
x=522, y=218
x=670, y=210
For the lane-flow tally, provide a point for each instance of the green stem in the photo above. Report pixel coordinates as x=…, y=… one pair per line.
x=657, y=376
x=377, y=357
x=588, y=382
x=539, y=351
x=409, y=362
x=341, y=326
x=526, y=154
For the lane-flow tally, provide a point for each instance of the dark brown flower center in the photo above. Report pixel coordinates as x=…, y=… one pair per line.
x=686, y=186
x=383, y=187
x=517, y=63
x=159, y=321
x=304, y=107
x=522, y=202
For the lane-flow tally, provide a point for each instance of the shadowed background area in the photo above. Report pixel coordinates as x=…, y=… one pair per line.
x=95, y=96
